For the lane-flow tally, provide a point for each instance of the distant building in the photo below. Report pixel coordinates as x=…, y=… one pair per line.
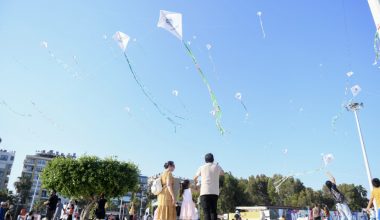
x=33, y=166
x=6, y=161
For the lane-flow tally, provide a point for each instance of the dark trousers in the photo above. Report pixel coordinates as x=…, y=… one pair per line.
x=209, y=205
x=50, y=214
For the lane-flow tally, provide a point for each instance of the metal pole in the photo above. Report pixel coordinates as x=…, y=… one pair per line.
x=368, y=169
x=141, y=203
x=121, y=205
x=34, y=194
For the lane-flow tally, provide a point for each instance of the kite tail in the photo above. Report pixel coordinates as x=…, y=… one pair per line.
x=216, y=107
x=376, y=46
x=146, y=93
x=262, y=27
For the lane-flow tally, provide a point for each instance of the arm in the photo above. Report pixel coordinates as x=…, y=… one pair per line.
x=331, y=177
x=170, y=188
x=370, y=204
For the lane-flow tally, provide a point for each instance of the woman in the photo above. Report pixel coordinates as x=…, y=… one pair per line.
x=166, y=200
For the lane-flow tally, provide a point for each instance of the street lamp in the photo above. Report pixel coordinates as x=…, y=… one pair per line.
x=355, y=107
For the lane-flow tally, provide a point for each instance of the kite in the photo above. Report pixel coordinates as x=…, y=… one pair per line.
x=208, y=46
x=175, y=93
x=5, y=104
x=349, y=74
x=355, y=90
x=122, y=39
x=259, y=13
x=74, y=73
x=326, y=159
x=172, y=22
x=238, y=96
x=374, y=5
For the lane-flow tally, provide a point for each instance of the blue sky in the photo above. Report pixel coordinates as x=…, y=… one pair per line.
x=292, y=82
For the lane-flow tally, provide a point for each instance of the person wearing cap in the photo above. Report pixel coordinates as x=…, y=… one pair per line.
x=209, y=173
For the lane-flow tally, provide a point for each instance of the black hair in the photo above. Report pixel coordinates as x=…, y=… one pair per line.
x=59, y=199
x=329, y=184
x=376, y=182
x=169, y=164
x=209, y=158
x=184, y=185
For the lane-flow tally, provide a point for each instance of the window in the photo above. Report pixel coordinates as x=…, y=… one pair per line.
x=4, y=157
x=12, y=158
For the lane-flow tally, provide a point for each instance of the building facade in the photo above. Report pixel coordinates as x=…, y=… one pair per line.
x=33, y=166
x=6, y=162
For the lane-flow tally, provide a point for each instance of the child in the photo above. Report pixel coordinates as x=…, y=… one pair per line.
x=375, y=195
x=188, y=210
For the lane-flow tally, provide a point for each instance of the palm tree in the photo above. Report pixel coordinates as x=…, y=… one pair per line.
x=23, y=186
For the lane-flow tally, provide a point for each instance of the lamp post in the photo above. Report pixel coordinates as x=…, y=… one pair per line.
x=355, y=107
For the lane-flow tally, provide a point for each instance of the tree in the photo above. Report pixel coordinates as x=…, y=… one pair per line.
x=88, y=176
x=231, y=194
x=23, y=186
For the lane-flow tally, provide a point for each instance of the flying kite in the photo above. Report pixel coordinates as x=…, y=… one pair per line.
x=326, y=160
x=375, y=10
x=356, y=90
x=122, y=39
x=172, y=22
x=208, y=47
x=238, y=96
x=259, y=13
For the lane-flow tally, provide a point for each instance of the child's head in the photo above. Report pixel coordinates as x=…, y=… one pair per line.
x=376, y=182
x=184, y=185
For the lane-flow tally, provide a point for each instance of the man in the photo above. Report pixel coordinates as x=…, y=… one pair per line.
x=341, y=203
x=209, y=174
x=58, y=210
x=316, y=212
x=51, y=205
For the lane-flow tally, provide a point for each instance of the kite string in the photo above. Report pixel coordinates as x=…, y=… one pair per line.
x=262, y=26
x=376, y=46
x=146, y=93
x=5, y=104
x=217, y=109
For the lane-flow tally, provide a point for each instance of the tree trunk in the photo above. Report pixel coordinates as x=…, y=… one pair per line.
x=85, y=214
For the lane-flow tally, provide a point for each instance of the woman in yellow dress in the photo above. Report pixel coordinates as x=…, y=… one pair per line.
x=166, y=199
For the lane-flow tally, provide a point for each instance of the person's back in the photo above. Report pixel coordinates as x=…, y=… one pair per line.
x=210, y=173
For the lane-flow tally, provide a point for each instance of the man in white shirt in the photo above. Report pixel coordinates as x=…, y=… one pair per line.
x=210, y=173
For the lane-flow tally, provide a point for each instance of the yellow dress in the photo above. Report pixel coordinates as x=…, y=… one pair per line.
x=166, y=210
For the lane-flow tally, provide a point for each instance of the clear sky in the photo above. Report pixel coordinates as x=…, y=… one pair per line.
x=293, y=83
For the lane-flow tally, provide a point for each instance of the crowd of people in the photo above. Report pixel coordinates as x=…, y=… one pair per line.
x=208, y=189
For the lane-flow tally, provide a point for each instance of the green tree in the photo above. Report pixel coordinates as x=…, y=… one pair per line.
x=23, y=186
x=257, y=189
x=232, y=194
x=356, y=196
x=88, y=176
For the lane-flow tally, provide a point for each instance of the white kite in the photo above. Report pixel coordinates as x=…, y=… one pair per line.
x=327, y=159
x=349, y=74
x=172, y=22
x=356, y=90
x=259, y=13
x=238, y=96
x=122, y=39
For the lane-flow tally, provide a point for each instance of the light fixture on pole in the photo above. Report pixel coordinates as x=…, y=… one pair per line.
x=355, y=107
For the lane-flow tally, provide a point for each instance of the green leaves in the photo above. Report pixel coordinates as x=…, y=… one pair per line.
x=88, y=176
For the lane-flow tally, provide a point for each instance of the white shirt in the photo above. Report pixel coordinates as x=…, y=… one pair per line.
x=209, y=173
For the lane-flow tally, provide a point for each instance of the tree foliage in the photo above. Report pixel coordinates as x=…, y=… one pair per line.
x=87, y=176
x=23, y=185
x=260, y=191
